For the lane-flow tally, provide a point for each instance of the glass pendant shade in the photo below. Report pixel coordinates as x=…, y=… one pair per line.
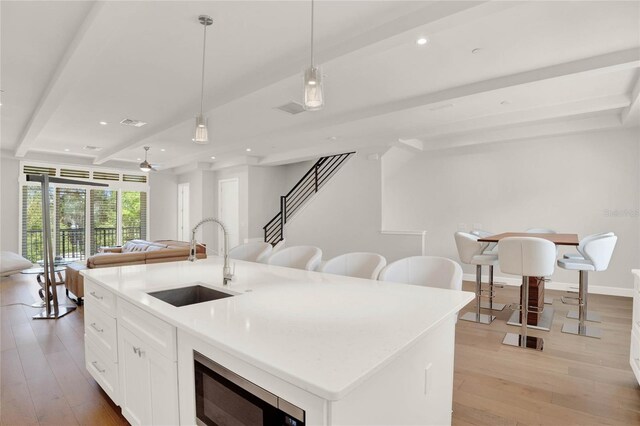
x=313, y=91
x=201, y=135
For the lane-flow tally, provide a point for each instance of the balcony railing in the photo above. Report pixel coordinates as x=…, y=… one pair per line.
x=71, y=243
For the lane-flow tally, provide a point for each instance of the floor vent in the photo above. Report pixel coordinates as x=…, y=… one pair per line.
x=292, y=108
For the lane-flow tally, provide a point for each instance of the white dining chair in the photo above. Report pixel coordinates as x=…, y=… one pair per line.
x=299, y=257
x=583, y=242
x=472, y=252
x=359, y=265
x=492, y=248
x=527, y=257
x=252, y=252
x=597, y=255
x=429, y=271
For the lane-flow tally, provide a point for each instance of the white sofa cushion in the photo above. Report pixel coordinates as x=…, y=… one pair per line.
x=11, y=263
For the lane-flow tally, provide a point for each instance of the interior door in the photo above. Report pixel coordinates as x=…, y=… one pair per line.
x=229, y=211
x=183, y=212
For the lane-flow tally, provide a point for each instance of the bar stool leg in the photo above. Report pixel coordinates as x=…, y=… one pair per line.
x=522, y=340
x=581, y=328
x=477, y=316
x=491, y=304
x=583, y=314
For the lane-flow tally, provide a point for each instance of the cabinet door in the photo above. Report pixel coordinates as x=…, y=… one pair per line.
x=164, y=389
x=135, y=381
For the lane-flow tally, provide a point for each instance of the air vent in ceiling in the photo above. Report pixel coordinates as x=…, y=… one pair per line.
x=71, y=173
x=106, y=176
x=134, y=178
x=133, y=123
x=35, y=170
x=291, y=108
x=92, y=148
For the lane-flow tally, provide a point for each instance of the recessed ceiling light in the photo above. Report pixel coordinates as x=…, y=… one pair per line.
x=213, y=158
x=103, y=123
x=67, y=150
x=332, y=138
x=422, y=41
x=138, y=159
x=162, y=149
x=193, y=139
x=248, y=149
x=476, y=50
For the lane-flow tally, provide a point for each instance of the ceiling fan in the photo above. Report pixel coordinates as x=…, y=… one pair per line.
x=145, y=166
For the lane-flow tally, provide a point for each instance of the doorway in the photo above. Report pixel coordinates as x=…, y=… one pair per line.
x=229, y=211
x=183, y=212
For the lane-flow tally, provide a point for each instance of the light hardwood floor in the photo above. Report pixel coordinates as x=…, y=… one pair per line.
x=574, y=381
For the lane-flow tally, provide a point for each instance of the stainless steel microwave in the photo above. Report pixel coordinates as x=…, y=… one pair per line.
x=225, y=399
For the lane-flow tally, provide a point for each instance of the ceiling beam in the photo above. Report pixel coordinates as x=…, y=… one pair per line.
x=515, y=118
x=633, y=110
x=87, y=42
x=607, y=63
x=533, y=130
x=435, y=16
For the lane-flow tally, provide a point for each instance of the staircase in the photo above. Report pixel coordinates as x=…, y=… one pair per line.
x=319, y=174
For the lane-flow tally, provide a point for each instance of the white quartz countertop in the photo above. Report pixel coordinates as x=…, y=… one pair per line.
x=323, y=333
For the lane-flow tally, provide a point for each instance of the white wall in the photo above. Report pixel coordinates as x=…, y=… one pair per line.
x=345, y=216
x=581, y=184
x=163, y=206
x=10, y=169
x=266, y=185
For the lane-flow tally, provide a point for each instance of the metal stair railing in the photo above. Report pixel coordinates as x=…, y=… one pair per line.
x=307, y=186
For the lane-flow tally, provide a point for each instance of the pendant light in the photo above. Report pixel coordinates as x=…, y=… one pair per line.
x=145, y=166
x=201, y=135
x=313, y=94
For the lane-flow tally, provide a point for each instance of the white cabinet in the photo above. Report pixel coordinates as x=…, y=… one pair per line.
x=149, y=382
x=634, y=356
x=100, y=338
x=132, y=355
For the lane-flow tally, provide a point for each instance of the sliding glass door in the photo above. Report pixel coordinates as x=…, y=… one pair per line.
x=134, y=215
x=32, y=233
x=70, y=217
x=103, y=218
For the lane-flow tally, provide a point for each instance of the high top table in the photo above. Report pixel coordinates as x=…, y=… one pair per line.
x=539, y=320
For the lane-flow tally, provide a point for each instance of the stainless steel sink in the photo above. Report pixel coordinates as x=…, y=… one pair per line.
x=189, y=295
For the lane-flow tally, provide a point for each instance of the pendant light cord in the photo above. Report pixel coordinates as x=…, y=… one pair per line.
x=312, y=4
x=204, y=49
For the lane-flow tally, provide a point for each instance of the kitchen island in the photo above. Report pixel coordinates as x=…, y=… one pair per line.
x=341, y=350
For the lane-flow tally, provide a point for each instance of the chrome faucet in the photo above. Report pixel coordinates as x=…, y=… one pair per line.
x=226, y=271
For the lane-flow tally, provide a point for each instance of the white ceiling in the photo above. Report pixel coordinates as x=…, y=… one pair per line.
x=542, y=68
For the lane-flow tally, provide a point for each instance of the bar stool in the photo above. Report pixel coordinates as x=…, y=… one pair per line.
x=492, y=248
x=590, y=316
x=471, y=252
x=597, y=254
x=527, y=257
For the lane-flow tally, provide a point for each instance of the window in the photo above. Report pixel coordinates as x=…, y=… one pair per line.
x=103, y=216
x=83, y=218
x=32, y=232
x=70, y=217
x=134, y=215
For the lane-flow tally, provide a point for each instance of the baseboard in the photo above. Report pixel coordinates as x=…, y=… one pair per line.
x=555, y=285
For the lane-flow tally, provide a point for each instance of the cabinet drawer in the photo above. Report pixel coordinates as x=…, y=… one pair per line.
x=105, y=372
x=95, y=295
x=102, y=330
x=156, y=332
